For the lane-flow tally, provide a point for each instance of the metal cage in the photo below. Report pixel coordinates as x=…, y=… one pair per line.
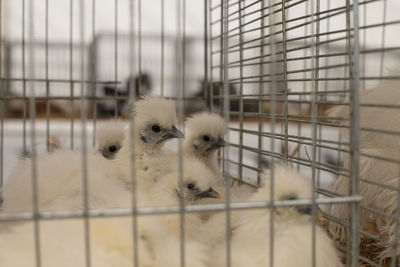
x=273, y=69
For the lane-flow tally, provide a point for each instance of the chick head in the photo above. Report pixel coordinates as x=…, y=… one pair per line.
x=110, y=136
x=155, y=121
x=196, y=182
x=206, y=134
x=288, y=185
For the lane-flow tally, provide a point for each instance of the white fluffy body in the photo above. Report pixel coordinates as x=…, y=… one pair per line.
x=386, y=92
x=375, y=170
x=60, y=183
x=292, y=230
x=111, y=238
x=201, y=124
x=111, y=244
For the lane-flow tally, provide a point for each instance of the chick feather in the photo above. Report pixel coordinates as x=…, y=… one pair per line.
x=375, y=147
x=292, y=229
x=59, y=183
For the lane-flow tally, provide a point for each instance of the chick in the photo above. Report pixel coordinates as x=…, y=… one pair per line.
x=373, y=168
x=111, y=244
x=197, y=180
x=206, y=137
x=292, y=229
x=110, y=136
x=111, y=238
x=155, y=123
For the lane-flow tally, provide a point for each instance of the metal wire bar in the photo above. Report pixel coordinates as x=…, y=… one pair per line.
x=24, y=107
x=226, y=112
x=132, y=99
x=260, y=92
x=116, y=57
x=32, y=114
x=180, y=66
x=93, y=70
x=163, y=43
x=47, y=74
x=85, y=185
x=71, y=74
x=240, y=168
x=314, y=109
x=354, y=133
x=23, y=216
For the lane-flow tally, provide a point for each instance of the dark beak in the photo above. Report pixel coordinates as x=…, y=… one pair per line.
x=174, y=133
x=210, y=193
x=307, y=210
x=218, y=144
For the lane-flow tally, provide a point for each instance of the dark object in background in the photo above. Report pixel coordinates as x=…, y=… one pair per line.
x=107, y=108
x=217, y=92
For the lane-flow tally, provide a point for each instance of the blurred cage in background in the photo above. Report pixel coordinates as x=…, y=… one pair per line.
x=271, y=69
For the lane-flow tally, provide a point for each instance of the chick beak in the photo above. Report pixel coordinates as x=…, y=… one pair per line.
x=219, y=143
x=307, y=210
x=210, y=193
x=173, y=133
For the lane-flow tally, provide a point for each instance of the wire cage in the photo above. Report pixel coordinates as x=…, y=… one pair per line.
x=296, y=83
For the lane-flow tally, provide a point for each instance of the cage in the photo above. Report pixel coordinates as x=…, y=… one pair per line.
x=311, y=84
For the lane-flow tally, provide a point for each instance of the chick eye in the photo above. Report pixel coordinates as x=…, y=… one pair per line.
x=191, y=186
x=206, y=138
x=156, y=128
x=112, y=148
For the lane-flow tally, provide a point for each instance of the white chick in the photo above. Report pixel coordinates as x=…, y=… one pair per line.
x=155, y=120
x=387, y=119
x=111, y=244
x=206, y=137
x=197, y=180
x=376, y=144
x=59, y=183
x=111, y=238
x=292, y=229
x=110, y=136
x=374, y=196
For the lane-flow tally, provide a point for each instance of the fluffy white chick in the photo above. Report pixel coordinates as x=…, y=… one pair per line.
x=155, y=123
x=111, y=244
x=292, y=229
x=205, y=138
x=111, y=238
x=377, y=197
x=387, y=119
x=197, y=180
x=376, y=144
x=60, y=186
x=110, y=137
